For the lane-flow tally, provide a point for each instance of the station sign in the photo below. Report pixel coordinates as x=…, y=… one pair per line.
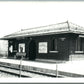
x=20, y=54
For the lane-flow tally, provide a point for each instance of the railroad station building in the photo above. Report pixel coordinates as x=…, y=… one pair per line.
x=62, y=41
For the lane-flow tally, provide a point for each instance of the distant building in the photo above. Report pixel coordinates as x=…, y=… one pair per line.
x=62, y=41
x=3, y=48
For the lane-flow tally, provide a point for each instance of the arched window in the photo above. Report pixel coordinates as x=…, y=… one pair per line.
x=54, y=45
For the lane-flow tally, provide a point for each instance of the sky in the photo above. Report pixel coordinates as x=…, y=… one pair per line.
x=17, y=15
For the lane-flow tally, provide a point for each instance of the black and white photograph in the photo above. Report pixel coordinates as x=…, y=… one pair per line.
x=42, y=39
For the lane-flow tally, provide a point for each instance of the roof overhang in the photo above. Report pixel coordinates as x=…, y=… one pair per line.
x=25, y=35
x=60, y=28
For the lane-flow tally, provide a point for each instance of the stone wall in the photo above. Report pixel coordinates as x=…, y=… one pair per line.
x=76, y=57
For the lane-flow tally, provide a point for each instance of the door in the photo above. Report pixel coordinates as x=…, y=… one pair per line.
x=32, y=50
x=63, y=48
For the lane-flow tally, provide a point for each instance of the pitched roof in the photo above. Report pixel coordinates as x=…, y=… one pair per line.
x=65, y=27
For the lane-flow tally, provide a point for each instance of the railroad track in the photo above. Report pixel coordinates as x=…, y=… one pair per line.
x=21, y=73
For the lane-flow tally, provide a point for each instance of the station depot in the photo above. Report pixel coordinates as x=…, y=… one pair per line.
x=62, y=41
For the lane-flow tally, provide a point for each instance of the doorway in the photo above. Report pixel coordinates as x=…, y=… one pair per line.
x=63, y=48
x=32, y=50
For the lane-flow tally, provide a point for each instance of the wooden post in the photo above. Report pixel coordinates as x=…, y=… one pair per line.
x=20, y=65
x=56, y=70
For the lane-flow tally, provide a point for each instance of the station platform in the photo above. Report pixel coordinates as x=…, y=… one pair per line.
x=56, y=68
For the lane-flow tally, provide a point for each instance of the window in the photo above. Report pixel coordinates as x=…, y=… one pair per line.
x=54, y=45
x=42, y=47
x=21, y=47
x=11, y=48
x=78, y=44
